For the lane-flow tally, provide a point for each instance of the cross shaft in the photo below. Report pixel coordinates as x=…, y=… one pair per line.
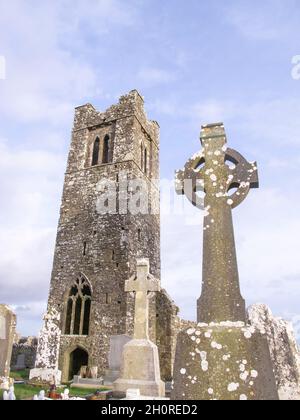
x=208, y=171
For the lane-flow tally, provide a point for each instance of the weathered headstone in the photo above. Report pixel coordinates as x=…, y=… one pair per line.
x=93, y=372
x=117, y=343
x=140, y=361
x=83, y=372
x=88, y=372
x=20, y=362
x=7, y=334
x=46, y=365
x=223, y=357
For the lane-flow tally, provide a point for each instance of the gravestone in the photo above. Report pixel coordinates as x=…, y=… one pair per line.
x=20, y=362
x=140, y=361
x=223, y=357
x=46, y=364
x=88, y=372
x=87, y=378
x=117, y=343
x=93, y=372
x=83, y=372
x=7, y=334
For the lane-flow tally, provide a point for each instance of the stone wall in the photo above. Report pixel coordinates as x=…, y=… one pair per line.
x=24, y=348
x=168, y=325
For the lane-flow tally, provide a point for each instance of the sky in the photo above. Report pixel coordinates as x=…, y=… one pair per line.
x=195, y=62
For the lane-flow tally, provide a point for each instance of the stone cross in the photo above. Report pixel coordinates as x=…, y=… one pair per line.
x=225, y=178
x=141, y=284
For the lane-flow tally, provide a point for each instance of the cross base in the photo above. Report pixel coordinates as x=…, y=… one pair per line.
x=140, y=369
x=223, y=362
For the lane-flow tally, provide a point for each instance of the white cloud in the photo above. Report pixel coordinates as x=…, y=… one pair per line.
x=263, y=21
x=268, y=245
x=44, y=78
x=212, y=111
x=153, y=76
x=253, y=25
x=30, y=191
x=29, y=316
x=101, y=14
x=268, y=120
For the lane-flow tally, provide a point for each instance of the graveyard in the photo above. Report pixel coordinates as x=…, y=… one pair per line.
x=27, y=392
x=230, y=353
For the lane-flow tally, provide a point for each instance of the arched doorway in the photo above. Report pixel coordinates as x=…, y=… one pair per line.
x=78, y=358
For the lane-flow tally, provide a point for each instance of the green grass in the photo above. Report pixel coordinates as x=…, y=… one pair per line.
x=24, y=391
x=21, y=375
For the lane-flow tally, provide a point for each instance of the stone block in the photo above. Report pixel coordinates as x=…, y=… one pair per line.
x=140, y=369
x=226, y=361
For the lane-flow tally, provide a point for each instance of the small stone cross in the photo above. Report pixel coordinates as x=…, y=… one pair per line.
x=142, y=284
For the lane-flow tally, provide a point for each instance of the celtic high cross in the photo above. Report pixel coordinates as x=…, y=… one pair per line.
x=225, y=178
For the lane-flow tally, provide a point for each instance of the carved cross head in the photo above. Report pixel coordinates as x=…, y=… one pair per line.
x=143, y=281
x=218, y=172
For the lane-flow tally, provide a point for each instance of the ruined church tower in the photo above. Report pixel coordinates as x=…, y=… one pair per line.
x=96, y=253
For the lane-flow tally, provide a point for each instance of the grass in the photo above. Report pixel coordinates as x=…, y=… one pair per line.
x=26, y=391
x=20, y=375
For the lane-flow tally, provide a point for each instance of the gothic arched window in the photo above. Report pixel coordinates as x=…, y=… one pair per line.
x=78, y=308
x=96, y=149
x=105, y=150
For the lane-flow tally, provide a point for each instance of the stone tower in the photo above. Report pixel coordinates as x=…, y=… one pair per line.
x=96, y=252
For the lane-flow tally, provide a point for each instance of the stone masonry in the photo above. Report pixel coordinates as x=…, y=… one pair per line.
x=7, y=335
x=283, y=347
x=46, y=364
x=24, y=353
x=101, y=249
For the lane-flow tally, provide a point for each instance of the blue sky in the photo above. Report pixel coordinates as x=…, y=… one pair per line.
x=195, y=62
